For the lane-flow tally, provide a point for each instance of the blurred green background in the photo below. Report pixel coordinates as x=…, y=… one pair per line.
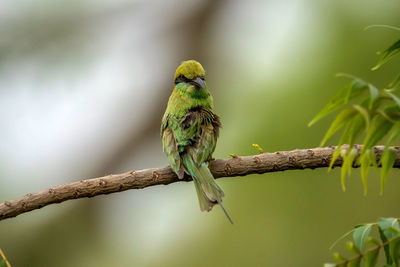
x=83, y=88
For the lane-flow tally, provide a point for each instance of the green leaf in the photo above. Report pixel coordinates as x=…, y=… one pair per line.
x=394, y=84
x=394, y=250
x=364, y=113
x=391, y=113
x=365, y=161
x=388, y=156
x=372, y=241
x=385, y=234
x=353, y=130
x=380, y=126
x=335, y=156
x=352, y=248
x=394, y=97
x=338, y=257
x=374, y=94
x=348, y=160
x=388, y=54
x=350, y=91
x=2, y=263
x=385, y=223
x=341, y=120
x=355, y=262
x=360, y=235
x=330, y=265
x=387, y=161
x=386, y=247
x=394, y=230
x=371, y=257
x=342, y=260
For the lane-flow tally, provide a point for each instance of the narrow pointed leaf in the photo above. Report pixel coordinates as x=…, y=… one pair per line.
x=352, y=248
x=348, y=160
x=338, y=257
x=355, y=262
x=394, y=97
x=385, y=234
x=388, y=54
x=386, y=247
x=372, y=241
x=350, y=91
x=365, y=165
x=355, y=128
x=394, y=135
x=387, y=161
x=335, y=156
x=380, y=126
x=394, y=230
x=374, y=94
x=394, y=250
x=364, y=113
x=394, y=84
x=353, y=131
x=371, y=258
x=360, y=235
x=341, y=120
x=385, y=223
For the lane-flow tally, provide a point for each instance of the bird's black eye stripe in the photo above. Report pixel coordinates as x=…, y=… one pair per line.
x=182, y=79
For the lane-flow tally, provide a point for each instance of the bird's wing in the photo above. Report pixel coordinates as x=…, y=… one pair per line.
x=208, y=139
x=170, y=147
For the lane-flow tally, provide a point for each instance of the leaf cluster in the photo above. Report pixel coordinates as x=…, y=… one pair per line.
x=389, y=242
x=368, y=113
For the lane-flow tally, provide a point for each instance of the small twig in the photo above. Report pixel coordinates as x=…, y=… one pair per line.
x=237, y=166
x=3, y=257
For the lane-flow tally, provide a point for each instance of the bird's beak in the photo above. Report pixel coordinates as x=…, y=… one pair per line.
x=200, y=83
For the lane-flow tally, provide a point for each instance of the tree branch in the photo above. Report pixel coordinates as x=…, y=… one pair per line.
x=238, y=166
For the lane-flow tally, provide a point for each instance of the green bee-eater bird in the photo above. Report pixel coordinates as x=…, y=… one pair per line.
x=189, y=132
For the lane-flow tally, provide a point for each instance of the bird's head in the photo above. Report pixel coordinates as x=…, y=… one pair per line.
x=190, y=76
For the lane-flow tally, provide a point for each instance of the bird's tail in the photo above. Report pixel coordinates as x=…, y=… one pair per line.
x=208, y=192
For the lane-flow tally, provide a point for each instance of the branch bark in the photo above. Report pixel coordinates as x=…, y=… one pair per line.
x=238, y=166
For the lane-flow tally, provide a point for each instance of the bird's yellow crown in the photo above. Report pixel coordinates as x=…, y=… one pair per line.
x=190, y=69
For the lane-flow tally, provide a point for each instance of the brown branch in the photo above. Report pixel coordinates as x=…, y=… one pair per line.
x=237, y=166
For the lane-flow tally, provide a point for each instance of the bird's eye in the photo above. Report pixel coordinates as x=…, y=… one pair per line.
x=180, y=79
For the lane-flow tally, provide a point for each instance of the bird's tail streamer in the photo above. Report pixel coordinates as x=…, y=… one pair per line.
x=208, y=191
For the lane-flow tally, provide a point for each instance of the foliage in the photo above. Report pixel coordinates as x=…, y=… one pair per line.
x=369, y=113
x=389, y=235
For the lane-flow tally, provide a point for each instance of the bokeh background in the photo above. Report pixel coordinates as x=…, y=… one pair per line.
x=83, y=86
